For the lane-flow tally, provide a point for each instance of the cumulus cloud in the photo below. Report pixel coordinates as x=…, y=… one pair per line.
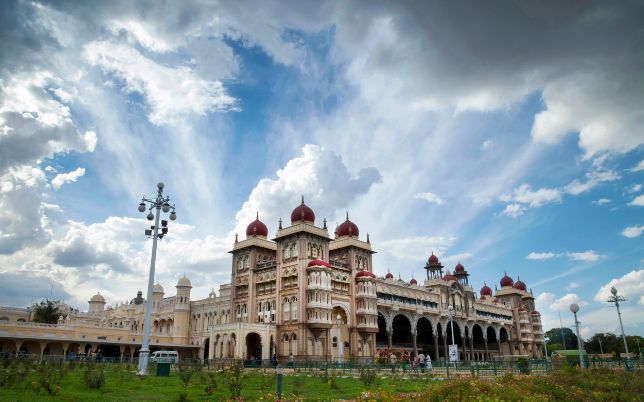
x=160, y=84
x=524, y=197
x=318, y=174
x=513, y=210
x=593, y=179
x=639, y=167
x=540, y=256
x=563, y=303
x=572, y=286
x=68, y=177
x=601, y=201
x=630, y=285
x=633, y=231
x=589, y=255
x=430, y=197
x=637, y=201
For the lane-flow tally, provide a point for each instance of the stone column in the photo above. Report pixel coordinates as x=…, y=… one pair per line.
x=487, y=352
x=464, y=345
x=472, y=348
x=436, y=354
x=65, y=348
x=390, y=333
x=211, y=348
x=498, y=343
x=445, y=353
x=18, y=346
x=413, y=338
x=122, y=350
x=42, y=345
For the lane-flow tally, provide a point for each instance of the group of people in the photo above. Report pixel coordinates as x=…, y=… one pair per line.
x=420, y=361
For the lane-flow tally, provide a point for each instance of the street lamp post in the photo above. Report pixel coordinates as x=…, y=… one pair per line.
x=574, y=308
x=601, y=349
x=340, y=343
x=615, y=298
x=157, y=204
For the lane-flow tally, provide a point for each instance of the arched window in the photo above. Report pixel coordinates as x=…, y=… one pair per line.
x=286, y=310
x=294, y=308
x=295, y=250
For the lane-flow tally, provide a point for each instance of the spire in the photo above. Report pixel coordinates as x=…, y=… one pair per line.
x=324, y=223
x=347, y=215
x=369, y=242
x=302, y=199
x=257, y=216
x=280, y=225
x=236, y=237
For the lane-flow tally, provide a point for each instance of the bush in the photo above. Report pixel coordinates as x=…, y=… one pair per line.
x=368, y=376
x=235, y=381
x=94, y=377
x=211, y=383
x=48, y=378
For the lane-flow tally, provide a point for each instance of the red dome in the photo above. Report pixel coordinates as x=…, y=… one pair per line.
x=389, y=275
x=519, y=285
x=495, y=300
x=302, y=213
x=506, y=281
x=449, y=277
x=413, y=281
x=256, y=228
x=432, y=259
x=459, y=268
x=485, y=291
x=319, y=263
x=535, y=312
x=348, y=228
x=365, y=274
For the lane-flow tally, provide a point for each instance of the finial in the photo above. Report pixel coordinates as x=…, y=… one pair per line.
x=347, y=215
x=280, y=225
x=257, y=216
x=495, y=288
x=302, y=199
x=324, y=223
x=236, y=239
x=368, y=239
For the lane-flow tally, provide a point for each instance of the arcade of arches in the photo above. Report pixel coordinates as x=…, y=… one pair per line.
x=421, y=334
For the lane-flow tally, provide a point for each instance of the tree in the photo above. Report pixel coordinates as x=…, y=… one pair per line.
x=609, y=343
x=553, y=346
x=47, y=311
x=555, y=336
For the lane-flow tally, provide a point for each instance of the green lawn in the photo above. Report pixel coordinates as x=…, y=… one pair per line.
x=123, y=385
x=28, y=382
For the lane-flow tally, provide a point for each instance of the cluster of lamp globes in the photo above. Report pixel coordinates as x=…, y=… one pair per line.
x=165, y=207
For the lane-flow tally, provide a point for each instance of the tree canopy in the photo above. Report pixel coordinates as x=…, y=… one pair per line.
x=563, y=336
x=47, y=311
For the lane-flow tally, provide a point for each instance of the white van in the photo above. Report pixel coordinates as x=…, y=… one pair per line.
x=165, y=356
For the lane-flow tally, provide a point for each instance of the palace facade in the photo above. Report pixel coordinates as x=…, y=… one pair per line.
x=304, y=293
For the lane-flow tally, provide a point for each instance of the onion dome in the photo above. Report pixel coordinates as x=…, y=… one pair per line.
x=365, y=274
x=449, y=277
x=302, y=213
x=413, y=281
x=519, y=284
x=184, y=283
x=506, y=281
x=432, y=260
x=97, y=298
x=157, y=288
x=485, y=291
x=347, y=228
x=256, y=228
x=459, y=268
x=535, y=312
x=389, y=275
x=319, y=263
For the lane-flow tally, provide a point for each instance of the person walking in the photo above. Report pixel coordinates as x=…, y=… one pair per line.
x=421, y=361
x=393, y=360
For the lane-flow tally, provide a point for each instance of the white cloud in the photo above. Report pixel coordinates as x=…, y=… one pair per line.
x=68, y=177
x=513, y=210
x=630, y=285
x=161, y=85
x=593, y=179
x=51, y=169
x=601, y=201
x=417, y=247
x=318, y=174
x=534, y=199
x=540, y=256
x=589, y=255
x=430, y=197
x=637, y=201
x=563, y=303
x=572, y=286
x=487, y=144
x=633, y=231
x=635, y=188
x=639, y=167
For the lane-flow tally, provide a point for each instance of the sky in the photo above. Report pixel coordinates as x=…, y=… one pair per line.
x=506, y=135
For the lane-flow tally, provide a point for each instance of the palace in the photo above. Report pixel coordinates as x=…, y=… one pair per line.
x=303, y=293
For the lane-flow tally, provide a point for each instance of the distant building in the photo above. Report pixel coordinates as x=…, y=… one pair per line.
x=306, y=293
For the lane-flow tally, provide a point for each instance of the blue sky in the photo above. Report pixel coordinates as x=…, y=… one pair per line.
x=506, y=136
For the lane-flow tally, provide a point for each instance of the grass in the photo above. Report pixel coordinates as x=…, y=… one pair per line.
x=32, y=383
